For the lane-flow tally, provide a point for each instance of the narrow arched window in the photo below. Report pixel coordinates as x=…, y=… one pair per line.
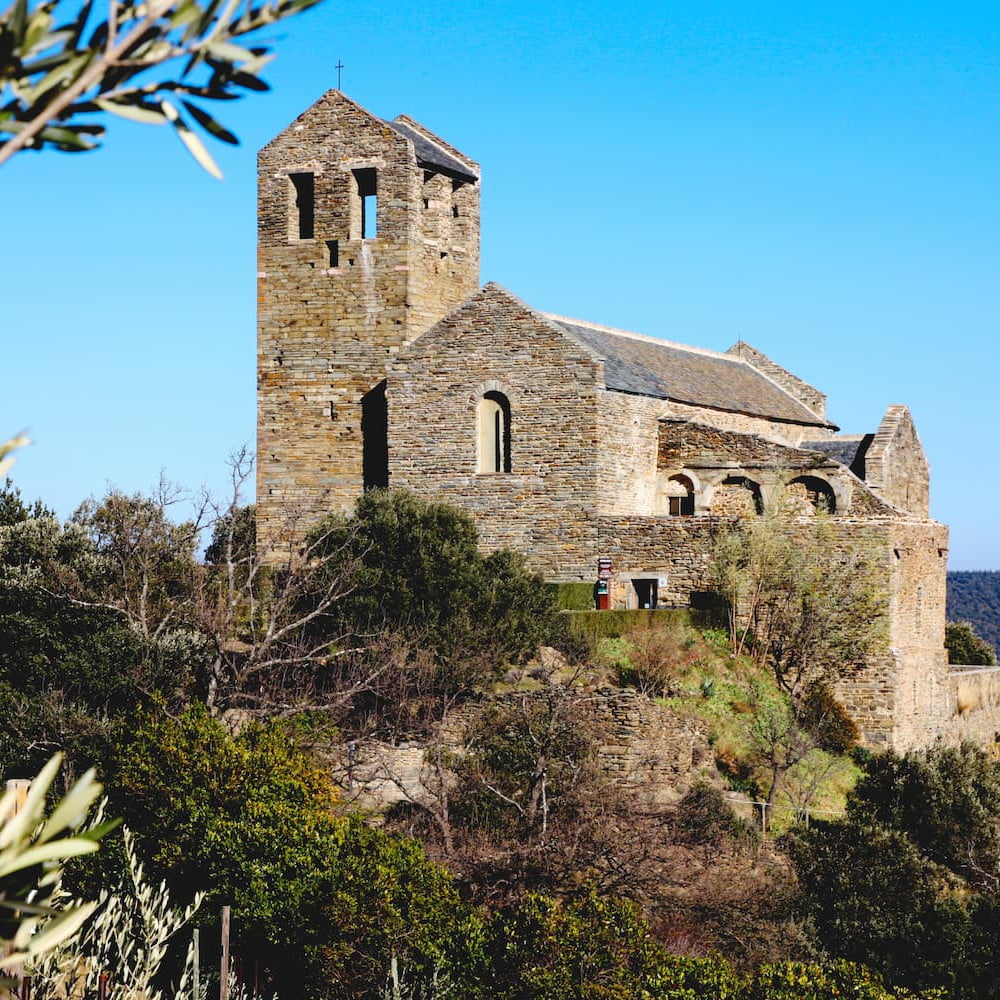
x=678, y=497
x=494, y=433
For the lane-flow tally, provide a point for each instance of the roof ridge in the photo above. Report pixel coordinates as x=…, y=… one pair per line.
x=838, y=437
x=721, y=355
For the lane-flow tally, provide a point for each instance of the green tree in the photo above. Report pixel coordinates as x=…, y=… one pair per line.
x=945, y=800
x=390, y=916
x=415, y=573
x=73, y=668
x=234, y=537
x=13, y=509
x=149, y=569
x=908, y=881
x=797, y=602
x=799, y=981
x=874, y=899
x=966, y=647
x=326, y=903
x=63, y=63
x=593, y=948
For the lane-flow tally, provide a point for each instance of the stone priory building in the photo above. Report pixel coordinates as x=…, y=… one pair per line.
x=382, y=363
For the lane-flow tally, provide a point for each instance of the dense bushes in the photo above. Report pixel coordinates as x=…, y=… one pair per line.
x=907, y=882
x=419, y=573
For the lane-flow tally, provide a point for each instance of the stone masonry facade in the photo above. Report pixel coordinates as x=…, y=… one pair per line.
x=383, y=363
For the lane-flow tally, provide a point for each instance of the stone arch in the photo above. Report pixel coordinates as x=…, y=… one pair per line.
x=675, y=495
x=737, y=496
x=807, y=495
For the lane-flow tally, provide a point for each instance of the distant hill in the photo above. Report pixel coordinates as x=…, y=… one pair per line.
x=975, y=597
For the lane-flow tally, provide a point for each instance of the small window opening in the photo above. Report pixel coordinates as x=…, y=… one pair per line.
x=427, y=203
x=679, y=494
x=375, y=438
x=303, y=186
x=646, y=592
x=334, y=247
x=366, y=179
x=454, y=211
x=494, y=433
x=682, y=506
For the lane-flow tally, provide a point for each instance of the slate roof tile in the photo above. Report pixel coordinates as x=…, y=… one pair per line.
x=431, y=155
x=848, y=450
x=649, y=367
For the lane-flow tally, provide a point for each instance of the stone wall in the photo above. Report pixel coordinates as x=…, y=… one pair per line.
x=649, y=749
x=495, y=344
x=974, y=693
x=918, y=558
x=645, y=748
x=900, y=697
x=629, y=435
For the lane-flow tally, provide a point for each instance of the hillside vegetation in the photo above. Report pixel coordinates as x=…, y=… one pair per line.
x=974, y=596
x=213, y=695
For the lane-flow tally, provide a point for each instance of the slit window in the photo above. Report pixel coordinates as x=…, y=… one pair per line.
x=304, y=201
x=366, y=179
x=494, y=433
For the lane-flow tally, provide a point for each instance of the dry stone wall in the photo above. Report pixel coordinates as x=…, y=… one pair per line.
x=647, y=749
x=974, y=700
x=924, y=706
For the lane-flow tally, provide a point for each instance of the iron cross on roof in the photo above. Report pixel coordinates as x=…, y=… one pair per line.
x=338, y=68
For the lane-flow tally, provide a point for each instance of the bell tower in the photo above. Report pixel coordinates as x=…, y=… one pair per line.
x=368, y=234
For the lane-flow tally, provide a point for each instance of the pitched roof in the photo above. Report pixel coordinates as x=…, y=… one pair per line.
x=848, y=450
x=649, y=367
x=431, y=155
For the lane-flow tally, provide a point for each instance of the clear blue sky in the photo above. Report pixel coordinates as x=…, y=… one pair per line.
x=821, y=180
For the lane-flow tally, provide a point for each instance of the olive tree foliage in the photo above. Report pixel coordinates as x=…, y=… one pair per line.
x=798, y=603
x=35, y=843
x=130, y=935
x=7, y=449
x=152, y=61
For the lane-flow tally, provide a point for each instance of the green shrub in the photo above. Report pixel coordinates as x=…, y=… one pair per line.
x=573, y=596
x=597, y=625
